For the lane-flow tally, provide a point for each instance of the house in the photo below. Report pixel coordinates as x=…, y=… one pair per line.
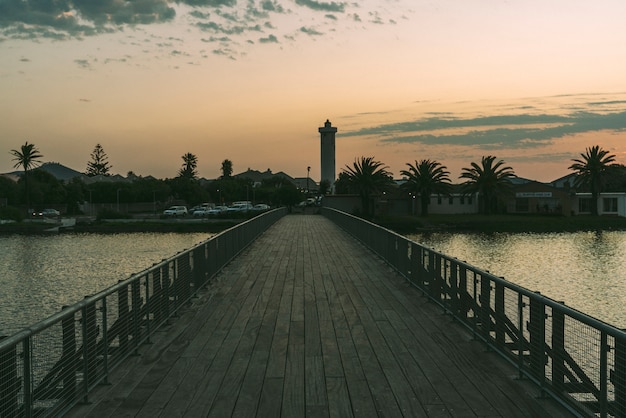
x=609, y=203
x=534, y=197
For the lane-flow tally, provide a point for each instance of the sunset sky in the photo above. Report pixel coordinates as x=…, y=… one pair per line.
x=532, y=82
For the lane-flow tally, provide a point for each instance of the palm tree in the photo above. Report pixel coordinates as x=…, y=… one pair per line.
x=425, y=178
x=367, y=177
x=190, y=163
x=27, y=157
x=591, y=170
x=489, y=180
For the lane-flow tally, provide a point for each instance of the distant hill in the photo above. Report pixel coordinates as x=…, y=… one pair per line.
x=61, y=172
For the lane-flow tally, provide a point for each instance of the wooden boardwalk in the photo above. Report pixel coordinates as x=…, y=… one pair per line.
x=306, y=322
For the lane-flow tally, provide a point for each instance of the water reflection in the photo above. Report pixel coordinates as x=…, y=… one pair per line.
x=40, y=274
x=586, y=270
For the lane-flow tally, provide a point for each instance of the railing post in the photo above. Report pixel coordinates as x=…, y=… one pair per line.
x=500, y=315
x=537, y=330
x=105, y=342
x=462, y=292
x=69, y=357
x=136, y=312
x=10, y=387
x=123, y=312
x=89, y=341
x=485, y=307
x=453, y=291
x=618, y=378
x=558, y=350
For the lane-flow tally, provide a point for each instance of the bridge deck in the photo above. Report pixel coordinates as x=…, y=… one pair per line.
x=308, y=323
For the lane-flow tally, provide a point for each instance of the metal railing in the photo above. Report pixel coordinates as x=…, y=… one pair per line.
x=578, y=360
x=48, y=368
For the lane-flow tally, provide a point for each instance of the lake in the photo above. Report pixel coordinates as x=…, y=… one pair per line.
x=41, y=274
x=586, y=270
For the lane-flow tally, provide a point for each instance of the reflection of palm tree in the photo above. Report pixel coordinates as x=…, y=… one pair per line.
x=367, y=177
x=488, y=179
x=190, y=163
x=591, y=170
x=26, y=157
x=425, y=178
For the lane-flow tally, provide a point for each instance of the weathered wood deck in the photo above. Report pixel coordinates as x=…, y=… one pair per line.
x=306, y=322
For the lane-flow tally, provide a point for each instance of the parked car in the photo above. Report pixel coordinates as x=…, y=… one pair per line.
x=201, y=212
x=240, y=207
x=261, y=207
x=48, y=213
x=175, y=211
x=217, y=210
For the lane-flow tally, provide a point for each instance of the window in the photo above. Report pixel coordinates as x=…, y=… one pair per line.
x=609, y=204
x=451, y=200
x=462, y=200
x=469, y=200
x=439, y=200
x=522, y=204
x=584, y=205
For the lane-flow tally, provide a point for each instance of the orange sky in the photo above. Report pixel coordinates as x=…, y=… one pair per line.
x=251, y=81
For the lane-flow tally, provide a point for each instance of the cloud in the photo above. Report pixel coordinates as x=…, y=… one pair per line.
x=230, y=21
x=322, y=6
x=269, y=39
x=494, y=132
x=310, y=31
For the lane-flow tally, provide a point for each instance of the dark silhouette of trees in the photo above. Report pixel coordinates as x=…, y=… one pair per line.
x=227, y=169
x=99, y=164
x=188, y=170
x=591, y=170
x=27, y=157
x=489, y=180
x=426, y=178
x=367, y=177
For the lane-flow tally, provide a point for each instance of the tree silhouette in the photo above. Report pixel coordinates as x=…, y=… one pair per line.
x=591, y=171
x=27, y=157
x=227, y=169
x=190, y=163
x=367, y=177
x=426, y=178
x=99, y=164
x=489, y=180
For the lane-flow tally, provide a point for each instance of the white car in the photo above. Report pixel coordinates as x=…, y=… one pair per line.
x=217, y=210
x=260, y=207
x=175, y=211
x=240, y=207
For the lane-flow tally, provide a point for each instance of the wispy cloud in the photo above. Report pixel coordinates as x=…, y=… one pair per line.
x=237, y=20
x=511, y=131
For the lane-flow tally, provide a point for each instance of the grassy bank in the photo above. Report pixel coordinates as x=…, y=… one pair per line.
x=501, y=223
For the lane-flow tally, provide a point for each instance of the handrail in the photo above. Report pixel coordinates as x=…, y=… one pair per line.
x=578, y=360
x=49, y=367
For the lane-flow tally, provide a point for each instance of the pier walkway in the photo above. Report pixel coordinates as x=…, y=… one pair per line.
x=306, y=322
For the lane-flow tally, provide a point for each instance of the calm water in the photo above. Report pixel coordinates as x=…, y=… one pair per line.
x=586, y=270
x=40, y=274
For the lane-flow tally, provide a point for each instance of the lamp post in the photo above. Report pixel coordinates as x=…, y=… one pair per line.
x=308, y=175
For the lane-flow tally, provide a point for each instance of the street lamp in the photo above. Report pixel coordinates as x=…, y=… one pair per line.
x=308, y=175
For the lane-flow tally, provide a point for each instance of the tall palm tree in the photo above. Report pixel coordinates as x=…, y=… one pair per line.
x=27, y=157
x=425, y=178
x=190, y=163
x=591, y=169
x=227, y=169
x=489, y=180
x=367, y=177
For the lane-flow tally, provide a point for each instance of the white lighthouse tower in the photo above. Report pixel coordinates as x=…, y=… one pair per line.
x=327, y=137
